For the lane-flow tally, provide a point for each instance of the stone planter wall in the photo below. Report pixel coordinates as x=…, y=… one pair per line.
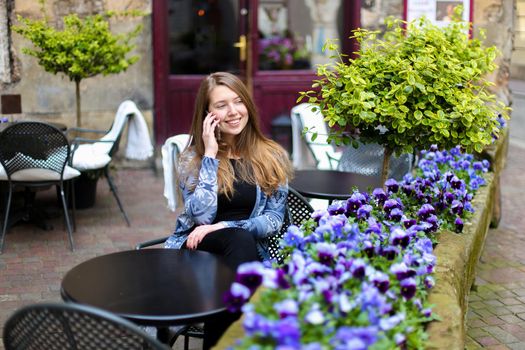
x=457, y=256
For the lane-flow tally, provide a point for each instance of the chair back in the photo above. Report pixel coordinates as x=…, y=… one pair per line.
x=171, y=150
x=72, y=326
x=322, y=151
x=33, y=145
x=367, y=160
x=298, y=210
x=110, y=146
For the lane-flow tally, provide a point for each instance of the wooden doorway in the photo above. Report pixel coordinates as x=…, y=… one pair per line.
x=273, y=45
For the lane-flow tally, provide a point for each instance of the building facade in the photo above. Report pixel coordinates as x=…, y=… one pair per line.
x=273, y=45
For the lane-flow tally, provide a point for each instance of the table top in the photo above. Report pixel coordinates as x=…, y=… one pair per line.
x=155, y=287
x=331, y=184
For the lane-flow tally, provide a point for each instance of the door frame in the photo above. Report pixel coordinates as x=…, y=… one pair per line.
x=271, y=79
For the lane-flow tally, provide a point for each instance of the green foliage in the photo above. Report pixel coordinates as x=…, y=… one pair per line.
x=84, y=48
x=418, y=85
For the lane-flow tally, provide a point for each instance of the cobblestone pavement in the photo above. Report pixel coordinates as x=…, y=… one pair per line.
x=34, y=261
x=496, y=316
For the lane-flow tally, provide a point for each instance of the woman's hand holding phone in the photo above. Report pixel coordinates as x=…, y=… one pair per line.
x=210, y=128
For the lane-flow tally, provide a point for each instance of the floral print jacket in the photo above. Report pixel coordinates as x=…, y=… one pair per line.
x=200, y=208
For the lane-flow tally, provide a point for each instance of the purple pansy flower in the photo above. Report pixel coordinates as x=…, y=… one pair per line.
x=391, y=185
x=250, y=275
x=236, y=297
x=408, y=288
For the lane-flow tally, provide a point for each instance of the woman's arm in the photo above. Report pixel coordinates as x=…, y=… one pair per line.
x=271, y=218
x=201, y=203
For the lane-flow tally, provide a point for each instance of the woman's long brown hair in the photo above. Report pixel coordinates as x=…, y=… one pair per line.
x=264, y=162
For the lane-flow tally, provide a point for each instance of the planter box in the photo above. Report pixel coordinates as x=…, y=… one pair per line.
x=457, y=256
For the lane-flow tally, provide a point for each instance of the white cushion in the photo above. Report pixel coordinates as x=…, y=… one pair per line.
x=39, y=174
x=89, y=157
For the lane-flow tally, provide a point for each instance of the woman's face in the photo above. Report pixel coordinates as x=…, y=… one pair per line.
x=230, y=109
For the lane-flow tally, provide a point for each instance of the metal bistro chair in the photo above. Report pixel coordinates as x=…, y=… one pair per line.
x=298, y=210
x=60, y=326
x=325, y=155
x=35, y=154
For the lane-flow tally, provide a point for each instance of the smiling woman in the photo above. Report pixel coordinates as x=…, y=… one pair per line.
x=233, y=181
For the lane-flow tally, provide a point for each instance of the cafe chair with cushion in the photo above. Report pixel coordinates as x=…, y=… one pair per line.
x=305, y=146
x=32, y=155
x=97, y=154
x=60, y=326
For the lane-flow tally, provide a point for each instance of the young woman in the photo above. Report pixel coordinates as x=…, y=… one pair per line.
x=232, y=178
x=233, y=181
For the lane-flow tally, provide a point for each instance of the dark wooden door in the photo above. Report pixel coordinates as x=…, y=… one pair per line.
x=273, y=45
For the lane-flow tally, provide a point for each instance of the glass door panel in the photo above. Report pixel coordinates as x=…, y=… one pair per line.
x=292, y=33
x=202, y=35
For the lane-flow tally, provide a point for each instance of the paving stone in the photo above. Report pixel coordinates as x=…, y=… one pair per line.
x=517, y=346
x=476, y=333
x=500, y=310
x=497, y=347
x=506, y=293
x=487, y=341
x=477, y=322
x=502, y=335
x=493, y=320
x=511, y=319
x=511, y=301
x=484, y=313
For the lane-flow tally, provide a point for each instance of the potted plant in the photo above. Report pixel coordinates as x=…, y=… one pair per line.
x=86, y=47
x=417, y=85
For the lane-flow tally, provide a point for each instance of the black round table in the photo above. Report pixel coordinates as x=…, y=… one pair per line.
x=331, y=184
x=152, y=287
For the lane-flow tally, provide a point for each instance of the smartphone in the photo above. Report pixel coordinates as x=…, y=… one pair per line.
x=217, y=131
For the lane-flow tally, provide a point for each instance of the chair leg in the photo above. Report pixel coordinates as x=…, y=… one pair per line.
x=186, y=342
x=66, y=215
x=115, y=194
x=6, y=218
x=73, y=203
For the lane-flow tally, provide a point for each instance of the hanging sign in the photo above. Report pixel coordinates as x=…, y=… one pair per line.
x=439, y=12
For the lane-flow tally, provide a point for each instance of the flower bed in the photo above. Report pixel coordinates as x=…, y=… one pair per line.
x=359, y=273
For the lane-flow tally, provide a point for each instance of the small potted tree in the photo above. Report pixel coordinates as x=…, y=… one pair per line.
x=86, y=47
x=416, y=86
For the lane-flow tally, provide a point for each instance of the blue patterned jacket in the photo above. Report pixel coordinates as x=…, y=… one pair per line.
x=200, y=208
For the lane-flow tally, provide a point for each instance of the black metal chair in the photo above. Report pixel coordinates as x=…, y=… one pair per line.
x=73, y=326
x=298, y=210
x=33, y=155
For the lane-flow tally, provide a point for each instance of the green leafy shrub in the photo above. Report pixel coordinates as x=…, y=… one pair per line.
x=419, y=85
x=86, y=47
